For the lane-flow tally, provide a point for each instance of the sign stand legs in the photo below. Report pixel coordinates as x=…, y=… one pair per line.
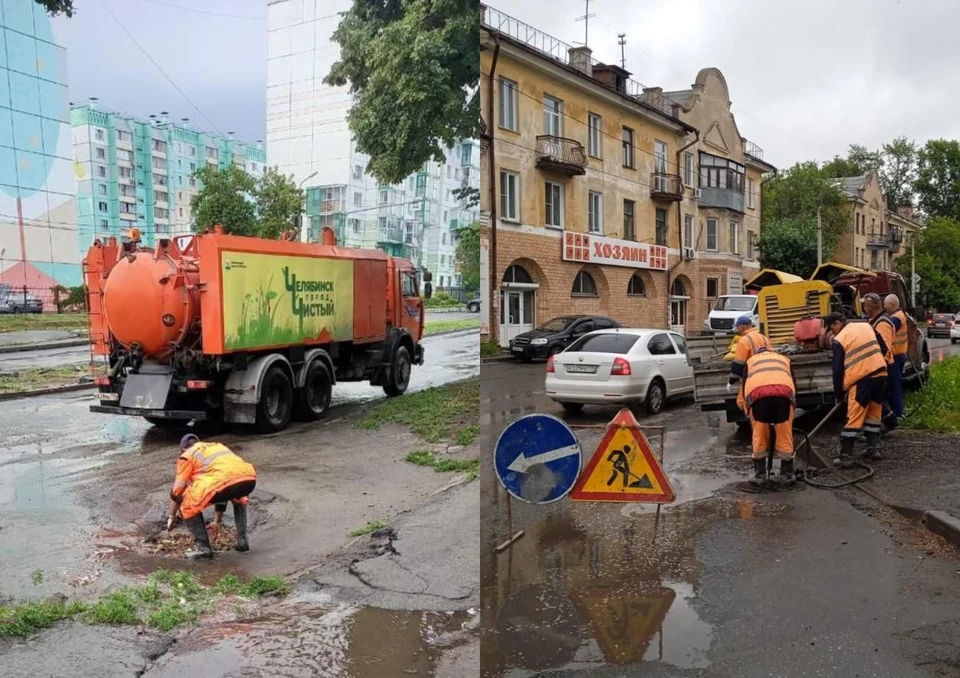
x=656, y=520
x=514, y=536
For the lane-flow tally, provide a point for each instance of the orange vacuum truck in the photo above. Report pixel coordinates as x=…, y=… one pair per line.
x=218, y=327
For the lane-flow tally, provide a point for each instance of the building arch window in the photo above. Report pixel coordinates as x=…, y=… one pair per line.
x=517, y=274
x=635, y=287
x=584, y=285
x=677, y=289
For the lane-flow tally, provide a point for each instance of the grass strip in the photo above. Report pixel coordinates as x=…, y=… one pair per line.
x=42, y=377
x=19, y=322
x=441, y=325
x=436, y=414
x=936, y=407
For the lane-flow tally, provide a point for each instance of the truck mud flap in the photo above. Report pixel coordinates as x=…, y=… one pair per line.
x=146, y=391
x=154, y=414
x=418, y=355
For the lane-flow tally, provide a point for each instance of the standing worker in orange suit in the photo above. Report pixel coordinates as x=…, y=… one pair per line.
x=859, y=369
x=770, y=396
x=210, y=473
x=750, y=341
x=901, y=343
x=881, y=324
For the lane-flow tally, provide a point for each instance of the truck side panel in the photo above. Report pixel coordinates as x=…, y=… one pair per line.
x=370, y=300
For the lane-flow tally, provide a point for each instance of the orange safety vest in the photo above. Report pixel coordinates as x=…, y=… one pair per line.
x=750, y=342
x=768, y=373
x=203, y=470
x=862, y=357
x=901, y=341
x=884, y=327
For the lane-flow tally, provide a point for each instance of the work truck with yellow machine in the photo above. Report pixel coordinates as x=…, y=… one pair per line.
x=791, y=318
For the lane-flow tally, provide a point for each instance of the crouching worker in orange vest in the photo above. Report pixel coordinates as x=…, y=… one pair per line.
x=769, y=397
x=209, y=473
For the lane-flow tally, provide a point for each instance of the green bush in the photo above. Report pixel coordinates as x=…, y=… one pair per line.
x=441, y=300
x=937, y=406
x=489, y=349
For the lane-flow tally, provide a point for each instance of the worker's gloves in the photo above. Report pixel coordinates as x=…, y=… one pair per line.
x=729, y=387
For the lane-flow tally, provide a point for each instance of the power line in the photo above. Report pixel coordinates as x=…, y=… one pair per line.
x=159, y=68
x=260, y=17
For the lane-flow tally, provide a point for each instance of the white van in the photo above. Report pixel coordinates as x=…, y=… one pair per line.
x=728, y=308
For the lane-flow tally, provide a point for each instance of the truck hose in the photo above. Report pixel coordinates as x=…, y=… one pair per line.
x=825, y=462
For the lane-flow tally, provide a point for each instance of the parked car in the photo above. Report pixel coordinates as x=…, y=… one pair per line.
x=555, y=335
x=633, y=367
x=473, y=306
x=940, y=325
x=14, y=301
x=955, y=330
x=728, y=308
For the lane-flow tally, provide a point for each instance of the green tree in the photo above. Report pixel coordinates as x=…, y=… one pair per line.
x=795, y=194
x=841, y=167
x=279, y=201
x=413, y=67
x=938, y=178
x=226, y=197
x=858, y=162
x=899, y=172
x=56, y=7
x=790, y=245
x=937, y=263
x=468, y=255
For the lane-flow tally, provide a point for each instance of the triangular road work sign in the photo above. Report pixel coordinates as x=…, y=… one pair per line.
x=623, y=468
x=624, y=626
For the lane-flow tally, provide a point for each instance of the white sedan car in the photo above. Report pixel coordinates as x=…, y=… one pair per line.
x=955, y=330
x=620, y=367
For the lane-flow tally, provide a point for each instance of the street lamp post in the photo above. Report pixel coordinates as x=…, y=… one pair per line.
x=299, y=223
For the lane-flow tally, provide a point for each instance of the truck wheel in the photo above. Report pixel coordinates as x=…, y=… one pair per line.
x=399, y=373
x=313, y=400
x=276, y=401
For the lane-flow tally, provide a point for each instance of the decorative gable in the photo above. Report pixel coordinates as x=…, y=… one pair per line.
x=714, y=138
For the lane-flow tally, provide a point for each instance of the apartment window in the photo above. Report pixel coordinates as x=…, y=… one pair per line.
x=354, y=225
x=688, y=230
x=750, y=193
x=661, y=223
x=101, y=153
x=552, y=116
x=734, y=237
x=212, y=153
x=444, y=239
x=873, y=228
x=101, y=171
x=161, y=212
x=509, y=105
x=192, y=151
x=554, y=204
x=717, y=172
x=595, y=212
x=712, y=236
x=456, y=173
x=102, y=189
x=102, y=206
x=180, y=212
x=159, y=146
x=124, y=155
x=357, y=171
x=584, y=285
x=126, y=190
x=629, y=225
x=382, y=223
x=357, y=199
x=509, y=196
x=873, y=258
x=98, y=134
x=750, y=238
x=127, y=208
x=635, y=287
x=688, y=170
x=466, y=153
x=179, y=148
x=595, y=135
x=193, y=167
x=104, y=223
x=160, y=179
x=159, y=163
x=124, y=136
x=627, y=147
x=713, y=288
x=161, y=196
x=191, y=182
x=383, y=197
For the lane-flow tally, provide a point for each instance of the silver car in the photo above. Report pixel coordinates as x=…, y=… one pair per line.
x=621, y=366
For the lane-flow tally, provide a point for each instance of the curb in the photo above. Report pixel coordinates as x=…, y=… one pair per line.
x=46, y=391
x=469, y=330
x=497, y=359
x=943, y=524
x=19, y=348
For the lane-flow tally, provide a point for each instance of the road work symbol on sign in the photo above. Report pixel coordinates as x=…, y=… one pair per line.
x=537, y=459
x=624, y=627
x=623, y=468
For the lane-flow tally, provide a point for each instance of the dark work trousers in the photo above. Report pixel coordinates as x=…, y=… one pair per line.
x=895, y=386
x=236, y=491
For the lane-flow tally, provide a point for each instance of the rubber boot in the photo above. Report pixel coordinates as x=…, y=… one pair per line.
x=846, y=452
x=873, y=446
x=759, y=471
x=786, y=471
x=240, y=520
x=199, y=533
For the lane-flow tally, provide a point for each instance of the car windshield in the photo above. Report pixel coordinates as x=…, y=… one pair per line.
x=735, y=303
x=604, y=343
x=556, y=325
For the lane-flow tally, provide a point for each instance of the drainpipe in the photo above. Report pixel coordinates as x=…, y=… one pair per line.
x=493, y=283
x=696, y=138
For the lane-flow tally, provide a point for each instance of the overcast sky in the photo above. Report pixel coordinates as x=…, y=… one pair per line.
x=806, y=78
x=218, y=61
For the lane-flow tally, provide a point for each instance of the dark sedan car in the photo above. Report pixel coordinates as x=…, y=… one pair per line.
x=940, y=325
x=555, y=335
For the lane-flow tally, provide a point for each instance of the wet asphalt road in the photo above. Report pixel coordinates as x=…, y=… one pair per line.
x=798, y=583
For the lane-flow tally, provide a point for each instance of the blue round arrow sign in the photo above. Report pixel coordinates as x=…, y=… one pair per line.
x=537, y=459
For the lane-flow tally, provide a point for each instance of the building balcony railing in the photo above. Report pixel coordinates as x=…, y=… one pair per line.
x=665, y=186
x=891, y=240
x=725, y=198
x=561, y=155
x=391, y=235
x=753, y=150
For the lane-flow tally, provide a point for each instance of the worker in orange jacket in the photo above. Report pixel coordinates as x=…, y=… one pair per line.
x=860, y=371
x=881, y=323
x=770, y=397
x=209, y=473
x=750, y=341
x=901, y=344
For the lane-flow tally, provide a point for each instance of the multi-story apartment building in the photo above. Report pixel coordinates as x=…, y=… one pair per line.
x=875, y=237
x=308, y=137
x=605, y=196
x=140, y=173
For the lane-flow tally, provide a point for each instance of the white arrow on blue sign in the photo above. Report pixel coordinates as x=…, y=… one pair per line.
x=537, y=459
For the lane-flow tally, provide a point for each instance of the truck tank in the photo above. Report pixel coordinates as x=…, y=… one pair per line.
x=151, y=303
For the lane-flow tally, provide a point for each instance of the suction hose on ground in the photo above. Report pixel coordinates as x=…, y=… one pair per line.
x=805, y=445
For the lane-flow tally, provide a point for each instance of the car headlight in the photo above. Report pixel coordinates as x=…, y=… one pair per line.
x=539, y=342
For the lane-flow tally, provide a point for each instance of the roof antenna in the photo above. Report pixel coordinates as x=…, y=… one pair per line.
x=623, y=58
x=586, y=22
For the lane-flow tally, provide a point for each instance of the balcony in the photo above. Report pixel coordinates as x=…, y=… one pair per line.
x=665, y=186
x=891, y=240
x=558, y=154
x=724, y=198
x=391, y=235
x=753, y=150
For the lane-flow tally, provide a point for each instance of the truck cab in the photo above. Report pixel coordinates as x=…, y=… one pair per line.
x=728, y=308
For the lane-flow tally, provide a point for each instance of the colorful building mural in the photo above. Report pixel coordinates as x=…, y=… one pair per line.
x=39, y=238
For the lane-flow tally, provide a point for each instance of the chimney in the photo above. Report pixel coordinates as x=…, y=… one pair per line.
x=581, y=58
x=229, y=136
x=94, y=102
x=905, y=211
x=611, y=76
x=259, y=144
x=185, y=123
x=153, y=120
x=163, y=117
